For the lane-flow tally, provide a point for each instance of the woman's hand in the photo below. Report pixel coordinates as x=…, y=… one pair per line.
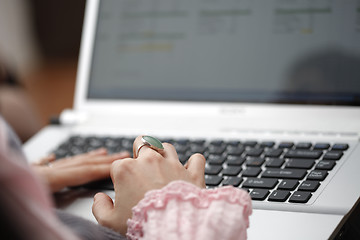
x=76, y=170
x=132, y=178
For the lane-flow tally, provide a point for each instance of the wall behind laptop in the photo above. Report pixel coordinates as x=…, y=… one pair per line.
x=39, y=46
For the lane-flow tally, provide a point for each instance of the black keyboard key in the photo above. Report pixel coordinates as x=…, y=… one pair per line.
x=255, y=162
x=127, y=143
x=260, y=183
x=183, y=158
x=286, y=145
x=310, y=186
x=232, y=170
x=285, y=173
x=215, y=159
x=250, y=143
x=340, y=147
x=182, y=141
x=235, y=160
x=217, y=142
x=94, y=142
x=273, y=153
x=300, y=197
x=333, y=155
x=88, y=149
x=259, y=194
x=251, y=172
x=212, y=169
x=234, y=181
x=197, y=149
x=181, y=148
x=254, y=152
x=274, y=162
x=211, y=180
x=77, y=140
x=198, y=142
x=321, y=146
x=214, y=149
x=279, y=196
x=233, y=143
x=308, y=154
x=75, y=150
x=288, y=184
x=303, y=145
x=267, y=144
x=111, y=142
x=318, y=175
x=299, y=163
x=325, y=165
x=167, y=140
x=61, y=153
x=231, y=150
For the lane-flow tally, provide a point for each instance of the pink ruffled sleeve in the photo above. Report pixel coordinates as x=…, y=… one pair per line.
x=181, y=210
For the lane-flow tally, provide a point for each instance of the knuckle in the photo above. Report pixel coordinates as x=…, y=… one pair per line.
x=152, y=157
x=169, y=146
x=116, y=164
x=120, y=167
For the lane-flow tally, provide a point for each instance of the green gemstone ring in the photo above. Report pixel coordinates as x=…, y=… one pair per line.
x=150, y=142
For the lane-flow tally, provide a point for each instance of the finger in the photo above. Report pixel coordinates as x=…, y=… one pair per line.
x=139, y=149
x=196, y=168
x=89, y=160
x=73, y=159
x=99, y=151
x=78, y=175
x=47, y=159
x=102, y=208
x=170, y=152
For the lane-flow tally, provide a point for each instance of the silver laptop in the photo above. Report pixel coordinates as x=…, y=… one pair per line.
x=268, y=91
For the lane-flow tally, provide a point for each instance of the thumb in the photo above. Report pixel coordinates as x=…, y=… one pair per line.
x=102, y=208
x=196, y=168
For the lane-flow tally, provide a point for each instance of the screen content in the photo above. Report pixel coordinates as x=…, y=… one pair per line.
x=292, y=51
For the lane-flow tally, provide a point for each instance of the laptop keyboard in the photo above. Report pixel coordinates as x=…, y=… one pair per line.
x=268, y=170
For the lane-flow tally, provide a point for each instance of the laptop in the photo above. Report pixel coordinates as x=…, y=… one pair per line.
x=268, y=91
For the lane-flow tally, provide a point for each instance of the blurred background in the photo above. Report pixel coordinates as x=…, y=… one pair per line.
x=39, y=47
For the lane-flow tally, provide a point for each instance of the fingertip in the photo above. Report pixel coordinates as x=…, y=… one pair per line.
x=101, y=207
x=197, y=157
x=196, y=167
x=102, y=199
x=196, y=163
x=99, y=151
x=52, y=157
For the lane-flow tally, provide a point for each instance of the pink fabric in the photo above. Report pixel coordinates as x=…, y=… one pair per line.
x=181, y=210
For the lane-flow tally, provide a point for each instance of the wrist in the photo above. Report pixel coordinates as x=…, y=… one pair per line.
x=180, y=196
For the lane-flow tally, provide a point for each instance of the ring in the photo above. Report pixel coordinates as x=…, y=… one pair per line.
x=150, y=142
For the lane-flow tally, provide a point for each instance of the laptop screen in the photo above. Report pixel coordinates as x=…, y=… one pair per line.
x=289, y=51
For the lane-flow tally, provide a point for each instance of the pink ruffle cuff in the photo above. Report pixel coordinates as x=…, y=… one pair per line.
x=181, y=210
